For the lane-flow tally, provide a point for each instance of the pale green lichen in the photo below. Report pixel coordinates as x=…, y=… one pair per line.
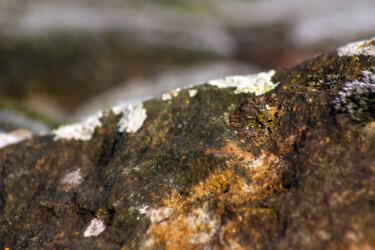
x=133, y=117
x=366, y=48
x=258, y=84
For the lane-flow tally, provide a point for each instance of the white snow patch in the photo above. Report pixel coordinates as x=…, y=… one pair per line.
x=73, y=178
x=258, y=84
x=134, y=116
x=170, y=95
x=78, y=131
x=365, y=47
x=192, y=92
x=95, y=228
x=14, y=137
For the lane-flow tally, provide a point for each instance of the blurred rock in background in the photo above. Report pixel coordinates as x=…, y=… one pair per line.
x=63, y=59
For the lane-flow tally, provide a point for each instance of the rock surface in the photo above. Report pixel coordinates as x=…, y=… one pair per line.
x=284, y=162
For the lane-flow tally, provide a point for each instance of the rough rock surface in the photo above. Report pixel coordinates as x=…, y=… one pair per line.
x=209, y=166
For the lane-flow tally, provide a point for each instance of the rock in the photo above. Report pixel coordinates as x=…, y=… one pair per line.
x=285, y=162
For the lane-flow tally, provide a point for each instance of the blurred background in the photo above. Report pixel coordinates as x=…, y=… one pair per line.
x=62, y=60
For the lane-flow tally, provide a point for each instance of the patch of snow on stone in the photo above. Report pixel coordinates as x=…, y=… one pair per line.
x=78, y=131
x=365, y=47
x=95, y=228
x=170, y=95
x=73, y=178
x=13, y=137
x=258, y=84
x=133, y=116
x=192, y=92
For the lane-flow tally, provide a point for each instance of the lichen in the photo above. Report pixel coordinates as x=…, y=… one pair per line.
x=357, y=98
x=203, y=225
x=157, y=214
x=192, y=92
x=258, y=84
x=73, y=178
x=95, y=228
x=365, y=47
x=13, y=137
x=133, y=116
x=78, y=131
x=170, y=95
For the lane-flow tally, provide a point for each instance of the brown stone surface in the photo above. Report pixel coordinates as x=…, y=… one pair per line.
x=291, y=169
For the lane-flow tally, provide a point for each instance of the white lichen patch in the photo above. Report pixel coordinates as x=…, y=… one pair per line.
x=258, y=84
x=78, y=131
x=366, y=48
x=350, y=89
x=73, y=178
x=262, y=161
x=133, y=116
x=203, y=225
x=158, y=214
x=95, y=228
x=356, y=97
x=192, y=92
x=14, y=137
x=170, y=95
x=143, y=210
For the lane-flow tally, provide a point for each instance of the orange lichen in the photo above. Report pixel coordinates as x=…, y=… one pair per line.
x=229, y=149
x=193, y=224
